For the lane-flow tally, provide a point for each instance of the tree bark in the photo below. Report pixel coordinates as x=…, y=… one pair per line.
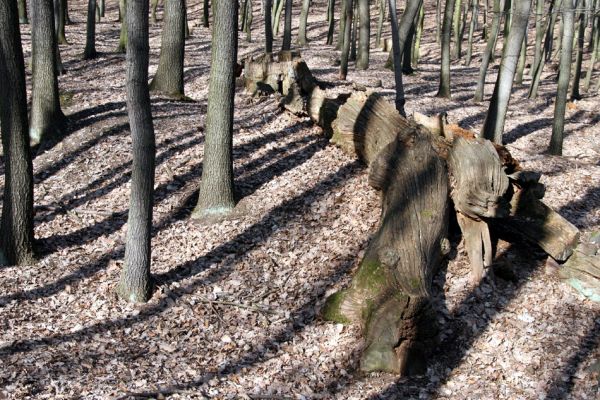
x=268, y=27
x=169, y=74
x=216, y=189
x=205, y=13
x=122, y=47
x=22, y=5
x=330, y=21
x=345, y=56
x=489, y=50
x=90, y=37
x=539, y=66
x=302, y=40
x=380, y=19
x=444, y=88
x=16, y=227
x=493, y=126
x=364, y=36
x=287, y=28
x=581, y=24
x=558, y=126
x=46, y=115
x=59, y=21
x=136, y=282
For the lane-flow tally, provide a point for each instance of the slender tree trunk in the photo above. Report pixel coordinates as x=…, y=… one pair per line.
x=494, y=121
x=169, y=74
x=364, y=36
x=381, y=17
x=342, y=31
x=354, y=32
x=205, y=13
x=136, y=282
x=347, y=39
x=489, y=50
x=268, y=27
x=522, y=61
x=456, y=22
x=123, y=35
x=558, y=126
x=287, y=28
x=59, y=21
x=539, y=31
x=438, y=21
x=474, y=15
x=46, y=115
x=22, y=4
x=594, y=52
x=575, y=95
x=154, y=6
x=102, y=7
x=302, y=40
x=90, y=38
x=407, y=51
x=216, y=189
x=485, y=30
x=416, y=54
x=248, y=22
x=444, y=89
x=537, y=68
x=278, y=10
x=330, y=21
x=16, y=227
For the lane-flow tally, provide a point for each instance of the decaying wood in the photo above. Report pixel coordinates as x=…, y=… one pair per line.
x=415, y=163
x=582, y=270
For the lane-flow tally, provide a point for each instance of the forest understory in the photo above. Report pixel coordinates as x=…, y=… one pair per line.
x=236, y=309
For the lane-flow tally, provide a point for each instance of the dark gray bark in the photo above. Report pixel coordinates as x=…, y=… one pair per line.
x=205, y=13
x=342, y=30
x=302, y=39
x=558, y=125
x=353, y=34
x=22, y=4
x=169, y=74
x=330, y=20
x=136, y=282
x=90, y=37
x=216, y=189
x=46, y=115
x=59, y=21
x=345, y=56
x=493, y=126
x=268, y=27
x=16, y=227
x=444, y=89
x=287, y=28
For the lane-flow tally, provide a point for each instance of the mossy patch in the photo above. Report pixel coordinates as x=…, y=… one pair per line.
x=371, y=275
x=331, y=309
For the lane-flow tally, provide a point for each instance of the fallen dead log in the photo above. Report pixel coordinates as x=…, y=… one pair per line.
x=421, y=167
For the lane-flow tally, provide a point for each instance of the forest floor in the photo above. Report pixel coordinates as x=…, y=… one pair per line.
x=236, y=311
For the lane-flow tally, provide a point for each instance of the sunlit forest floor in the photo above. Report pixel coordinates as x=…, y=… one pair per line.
x=235, y=314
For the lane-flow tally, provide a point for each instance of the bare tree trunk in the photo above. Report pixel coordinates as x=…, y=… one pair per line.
x=364, y=36
x=46, y=115
x=444, y=89
x=456, y=23
x=154, y=6
x=16, y=227
x=330, y=20
x=136, y=282
x=581, y=24
x=302, y=40
x=474, y=14
x=123, y=35
x=558, y=126
x=416, y=51
x=354, y=32
x=216, y=189
x=268, y=27
x=595, y=34
x=169, y=74
x=493, y=126
x=287, y=28
x=205, y=14
x=342, y=31
x=59, y=21
x=380, y=18
x=537, y=68
x=22, y=4
x=90, y=37
x=347, y=39
x=539, y=31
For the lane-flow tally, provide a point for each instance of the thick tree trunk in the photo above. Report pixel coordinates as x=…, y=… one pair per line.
x=302, y=40
x=136, y=283
x=22, y=4
x=558, y=125
x=268, y=27
x=46, y=115
x=364, y=36
x=444, y=89
x=169, y=74
x=342, y=30
x=216, y=189
x=493, y=126
x=16, y=227
x=287, y=28
x=489, y=50
x=90, y=37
